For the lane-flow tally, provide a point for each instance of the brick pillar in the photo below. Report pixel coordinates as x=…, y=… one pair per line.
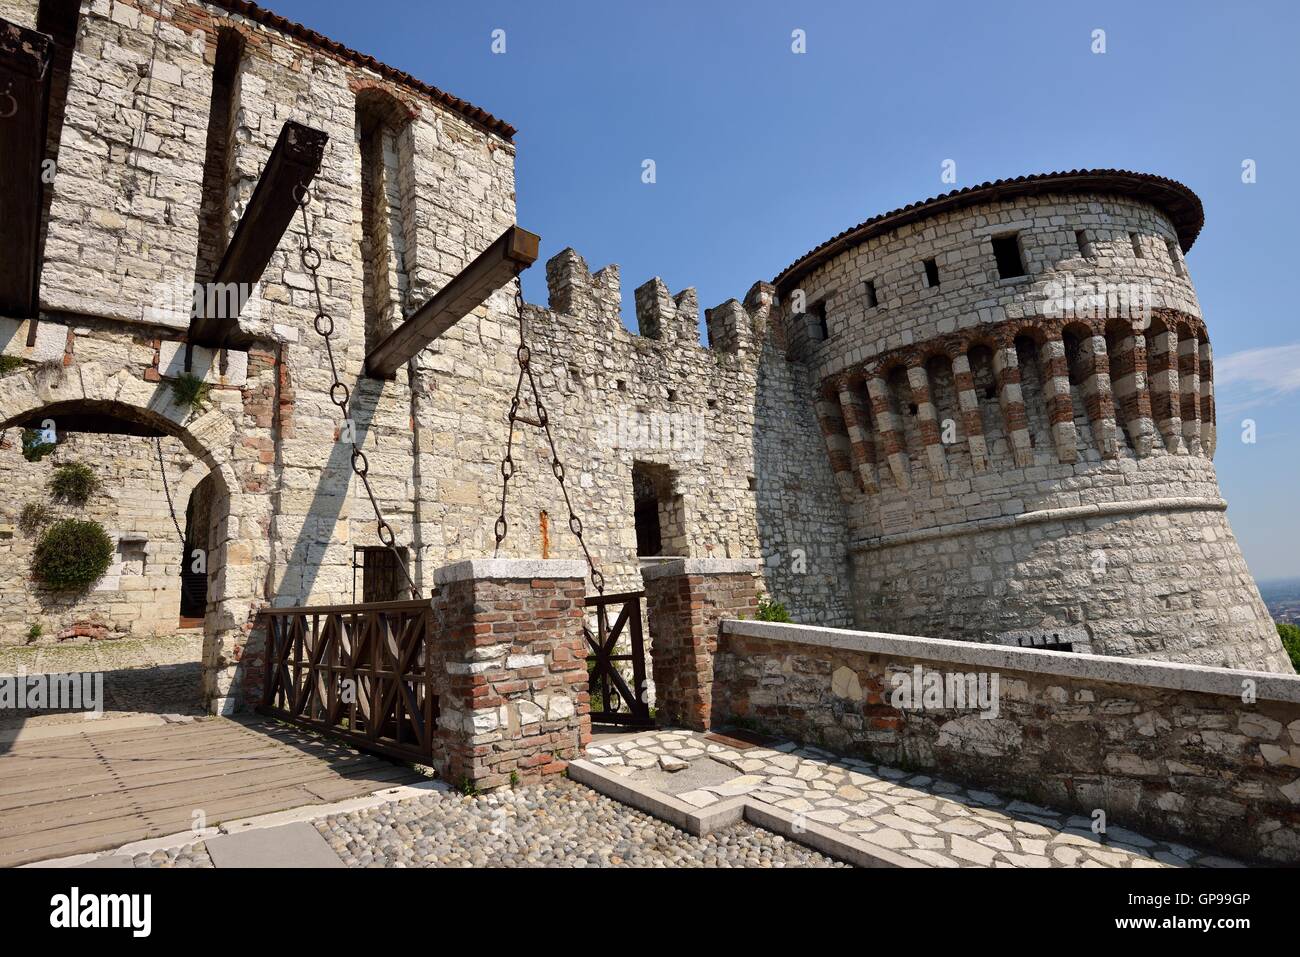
x=837, y=444
x=1060, y=404
x=935, y=460
x=1208, y=436
x=1097, y=396
x=969, y=403
x=687, y=599
x=1130, y=389
x=1006, y=369
x=891, y=431
x=510, y=669
x=1189, y=387
x=1162, y=365
x=862, y=444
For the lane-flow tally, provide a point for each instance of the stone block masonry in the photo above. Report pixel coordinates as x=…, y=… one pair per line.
x=686, y=601
x=511, y=670
x=1204, y=755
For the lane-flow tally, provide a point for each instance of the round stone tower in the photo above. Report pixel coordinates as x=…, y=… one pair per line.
x=1017, y=394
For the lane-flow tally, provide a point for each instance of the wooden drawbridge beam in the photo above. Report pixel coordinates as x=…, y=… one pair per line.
x=293, y=164
x=511, y=252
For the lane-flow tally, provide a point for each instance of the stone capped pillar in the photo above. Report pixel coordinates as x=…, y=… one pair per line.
x=969, y=404
x=510, y=669
x=687, y=599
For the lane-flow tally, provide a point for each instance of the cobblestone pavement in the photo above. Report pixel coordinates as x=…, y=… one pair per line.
x=192, y=855
x=558, y=823
x=934, y=821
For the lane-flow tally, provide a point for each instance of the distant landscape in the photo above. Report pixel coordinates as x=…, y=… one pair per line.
x=1282, y=597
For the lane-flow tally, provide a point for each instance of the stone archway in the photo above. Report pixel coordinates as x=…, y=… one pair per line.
x=86, y=390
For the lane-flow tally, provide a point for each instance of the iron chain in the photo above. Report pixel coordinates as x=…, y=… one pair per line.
x=524, y=359
x=339, y=393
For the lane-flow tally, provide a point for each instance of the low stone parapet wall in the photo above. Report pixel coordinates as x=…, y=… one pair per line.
x=1209, y=756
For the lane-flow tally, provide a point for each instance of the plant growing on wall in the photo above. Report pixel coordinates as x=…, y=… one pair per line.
x=34, y=517
x=35, y=631
x=9, y=365
x=74, y=483
x=72, y=554
x=769, y=609
x=191, y=392
x=35, y=447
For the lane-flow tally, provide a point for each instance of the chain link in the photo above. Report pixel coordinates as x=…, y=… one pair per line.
x=168, y=492
x=524, y=358
x=339, y=393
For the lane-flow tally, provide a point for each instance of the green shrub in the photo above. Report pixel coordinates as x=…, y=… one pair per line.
x=9, y=365
x=35, y=447
x=769, y=609
x=74, y=483
x=34, y=517
x=35, y=631
x=72, y=554
x=191, y=392
x=1290, y=635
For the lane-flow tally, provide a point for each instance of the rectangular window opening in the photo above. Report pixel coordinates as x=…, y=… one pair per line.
x=869, y=288
x=1085, y=247
x=931, y=274
x=818, y=313
x=1006, y=250
x=1136, y=241
x=1176, y=257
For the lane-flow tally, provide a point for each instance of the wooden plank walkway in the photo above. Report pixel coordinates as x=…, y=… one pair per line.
x=92, y=790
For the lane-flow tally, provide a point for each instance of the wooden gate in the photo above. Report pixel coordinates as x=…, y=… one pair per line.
x=612, y=701
x=358, y=672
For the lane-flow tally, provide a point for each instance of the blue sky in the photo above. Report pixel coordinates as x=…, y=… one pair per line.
x=762, y=153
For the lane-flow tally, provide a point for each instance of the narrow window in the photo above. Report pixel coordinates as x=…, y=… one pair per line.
x=1176, y=257
x=1137, y=245
x=869, y=287
x=1085, y=247
x=818, y=313
x=1006, y=249
x=931, y=273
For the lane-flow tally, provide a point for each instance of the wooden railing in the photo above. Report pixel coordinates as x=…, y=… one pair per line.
x=359, y=672
x=613, y=701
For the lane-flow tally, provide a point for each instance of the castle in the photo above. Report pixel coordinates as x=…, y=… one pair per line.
x=989, y=415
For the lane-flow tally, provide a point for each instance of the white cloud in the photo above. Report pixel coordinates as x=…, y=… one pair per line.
x=1256, y=377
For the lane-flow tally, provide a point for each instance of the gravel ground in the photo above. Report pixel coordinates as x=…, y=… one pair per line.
x=192, y=855
x=555, y=824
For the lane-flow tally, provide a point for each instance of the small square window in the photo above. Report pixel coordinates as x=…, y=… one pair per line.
x=1136, y=241
x=1085, y=247
x=817, y=312
x=1006, y=250
x=672, y=395
x=931, y=273
x=869, y=289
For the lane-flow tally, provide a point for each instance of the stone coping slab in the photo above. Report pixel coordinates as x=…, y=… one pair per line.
x=510, y=569
x=1131, y=671
x=700, y=566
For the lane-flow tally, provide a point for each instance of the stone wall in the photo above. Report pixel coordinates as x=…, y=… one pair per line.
x=1205, y=755
x=140, y=594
